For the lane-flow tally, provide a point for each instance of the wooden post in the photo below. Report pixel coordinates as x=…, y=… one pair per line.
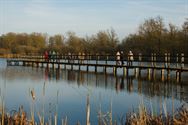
x=140, y=59
x=53, y=65
x=168, y=74
x=42, y=65
x=71, y=66
x=178, y=76
x=155, y=59
x=96, y=59
x=177, y=60
x=153, y=73
x=152, y=59
x=95, y=68
x=79, y=67
x=162, y=74
x=182, y=60
x=47, y=65
x=166, y=59
x=58, y=66
x=32, y=64
x=136, y=72
x=23, y=63
x=149, y=74
x=124, y=71
x=37, y=63
x=106, y=59
x=105, y=69
x=87, y=68
x=115, y=71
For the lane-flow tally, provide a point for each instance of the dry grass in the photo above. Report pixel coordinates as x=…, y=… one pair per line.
x=143, y=118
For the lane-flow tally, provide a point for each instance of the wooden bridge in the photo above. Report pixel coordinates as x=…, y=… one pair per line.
x=166, y=64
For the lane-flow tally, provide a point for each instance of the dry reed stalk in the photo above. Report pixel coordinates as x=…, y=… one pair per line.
x=64, y=121
x=55, y=119
x=111, y=112
x=32, y=107
x=3, y=113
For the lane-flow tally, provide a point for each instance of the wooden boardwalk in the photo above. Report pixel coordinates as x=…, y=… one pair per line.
x=150, y=64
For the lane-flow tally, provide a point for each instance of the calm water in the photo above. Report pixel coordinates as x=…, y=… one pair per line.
x=65, y=92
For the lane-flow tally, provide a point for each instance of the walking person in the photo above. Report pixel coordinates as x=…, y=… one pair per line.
x=130, y=58
x=46, y=56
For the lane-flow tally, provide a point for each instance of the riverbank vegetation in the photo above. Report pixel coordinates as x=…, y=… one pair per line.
x=151, y=36
x=142, y=117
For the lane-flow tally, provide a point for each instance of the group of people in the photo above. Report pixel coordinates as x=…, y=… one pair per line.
x=120, y=58
x=51, y=55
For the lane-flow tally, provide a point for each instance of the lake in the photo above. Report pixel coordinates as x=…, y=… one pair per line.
x=65, y=91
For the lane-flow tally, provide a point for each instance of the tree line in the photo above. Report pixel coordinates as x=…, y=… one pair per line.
x=152, y=36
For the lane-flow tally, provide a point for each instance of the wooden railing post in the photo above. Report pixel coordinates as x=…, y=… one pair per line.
x=182, y=60
x=140, y=59
x=166, y=59
x=155, y=59
x=151, y=59
x=177, y=60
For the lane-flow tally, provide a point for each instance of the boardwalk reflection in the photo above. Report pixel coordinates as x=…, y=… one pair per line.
x=143, y=85
x=148, y=86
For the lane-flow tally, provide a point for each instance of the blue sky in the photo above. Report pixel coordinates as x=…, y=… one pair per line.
x=86, y=17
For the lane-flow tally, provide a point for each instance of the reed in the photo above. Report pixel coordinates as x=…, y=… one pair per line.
x=143, y=118
x=180, y=117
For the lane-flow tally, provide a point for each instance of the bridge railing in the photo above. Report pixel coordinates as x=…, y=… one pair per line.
x=151, y=58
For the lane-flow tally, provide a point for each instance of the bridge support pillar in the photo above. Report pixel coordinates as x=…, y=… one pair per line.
x=32, y=64
x=137, y=70
x=87, y=68
x=105, y=69
x=53, y=66
x=95, y=68
x=149, y=74
x=162, y=75
x=23, y=63
x=153, y=73
x=47, y=65
x=71, y=66
x=115, y=70
x=58, y=67
x=124, y=71
x=37, y=64
x=178, y=76
x=168, y=75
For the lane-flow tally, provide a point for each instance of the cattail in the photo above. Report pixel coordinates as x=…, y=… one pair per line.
x=33, y=94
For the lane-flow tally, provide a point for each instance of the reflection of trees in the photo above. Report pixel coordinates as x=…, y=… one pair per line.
x=13, y=73
x=71, y=75
x=141, y=85
x=80, y=78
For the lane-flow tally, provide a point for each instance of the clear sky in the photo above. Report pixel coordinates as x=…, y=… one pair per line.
x=86, y=17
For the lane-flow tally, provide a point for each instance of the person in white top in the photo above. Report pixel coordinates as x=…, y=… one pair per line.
x=130, y=58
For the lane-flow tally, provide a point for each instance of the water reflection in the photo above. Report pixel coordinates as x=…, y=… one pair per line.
x=150, y=87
